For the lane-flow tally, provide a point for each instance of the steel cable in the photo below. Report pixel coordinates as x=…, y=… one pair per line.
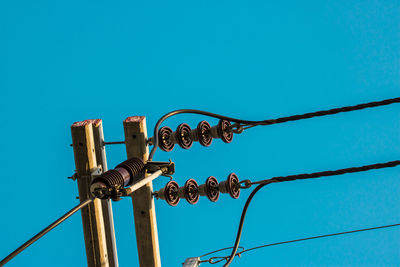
x=214, y=260
x=45, y=231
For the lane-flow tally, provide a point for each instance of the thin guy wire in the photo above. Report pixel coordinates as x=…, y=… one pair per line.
x=294, y=177
x=45, y=231
x=211, y=260
x=270, y=121
x=218, y=250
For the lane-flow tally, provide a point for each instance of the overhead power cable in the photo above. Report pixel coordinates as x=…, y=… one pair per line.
x=332, y=111
x=250, y=123
x=327, y=173
x=214, y=260
x=45, y=231
x=294, y=177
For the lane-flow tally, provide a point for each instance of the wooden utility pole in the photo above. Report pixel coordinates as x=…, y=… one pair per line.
x=99, y=237
x=100, y=150
x=143, y=203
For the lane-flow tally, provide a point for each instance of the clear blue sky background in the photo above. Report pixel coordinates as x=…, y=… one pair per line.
x=66, y=61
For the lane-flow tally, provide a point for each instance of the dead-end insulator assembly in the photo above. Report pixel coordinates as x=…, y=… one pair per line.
x=184, y=136
x=171, y=193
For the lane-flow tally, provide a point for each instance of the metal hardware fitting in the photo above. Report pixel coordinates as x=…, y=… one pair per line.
x=115, y=192
x=191, y=262
x=167, y=168
x=237, y=128
x=94, y=173
x=247, y=184
x=114, y=143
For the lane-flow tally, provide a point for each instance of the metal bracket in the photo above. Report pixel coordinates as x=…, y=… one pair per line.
x=93, y=173
x=191, y=262
x=96, y=171
x=150, y=141
x=167, y=168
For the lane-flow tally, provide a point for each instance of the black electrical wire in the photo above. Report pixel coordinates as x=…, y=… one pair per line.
x=239, y=232
x=214, y=260
x=332, y=111
x=45, y=231
x=250, y=123
x=331, y=173
x=294, y=177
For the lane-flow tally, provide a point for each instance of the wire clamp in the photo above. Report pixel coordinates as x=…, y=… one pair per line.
x=237, y=128
x=247, y=184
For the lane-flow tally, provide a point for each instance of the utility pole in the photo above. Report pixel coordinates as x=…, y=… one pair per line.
x=98, y=230
x=134, y=176
x=143, y=203
x=100, y=150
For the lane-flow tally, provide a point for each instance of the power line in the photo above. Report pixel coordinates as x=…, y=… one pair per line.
x=332, y=111
x=45, y=231
x=329, y=173
x=294, y=177
x=214, y=260
x=250, y=123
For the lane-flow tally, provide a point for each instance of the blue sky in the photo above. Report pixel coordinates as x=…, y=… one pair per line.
x=67, y=61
